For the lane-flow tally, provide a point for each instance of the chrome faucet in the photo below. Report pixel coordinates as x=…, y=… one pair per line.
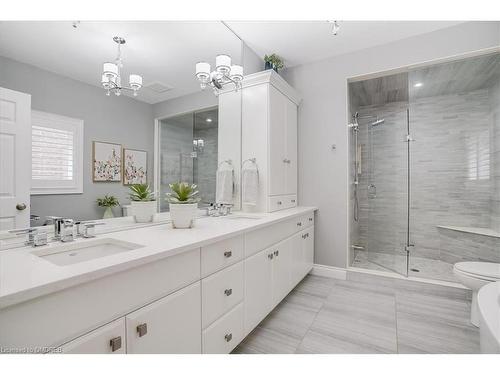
x=219, y=209
x=63, y=228
x=86, y=229
x=36, y=236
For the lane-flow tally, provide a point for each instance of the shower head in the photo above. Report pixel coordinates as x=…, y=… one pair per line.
x=378, y=122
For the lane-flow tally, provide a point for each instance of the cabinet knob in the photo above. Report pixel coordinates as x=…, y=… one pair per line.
x=228, y=254
x=115, y=343
x=310, y=219
x=279, y=202
x=293, y=200
x=299, y=224
x=142, y=329
x=270, y=256
x=228, y=292
x=228, y=337
x=276, y=253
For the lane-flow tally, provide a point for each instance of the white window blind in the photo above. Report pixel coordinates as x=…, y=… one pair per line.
x=56, y=154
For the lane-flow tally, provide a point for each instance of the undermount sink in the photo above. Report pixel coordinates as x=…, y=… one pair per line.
x=77, y=252
x=238, y=217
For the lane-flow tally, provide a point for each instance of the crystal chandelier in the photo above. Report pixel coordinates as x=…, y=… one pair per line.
x=224, y=74
x=111, y=74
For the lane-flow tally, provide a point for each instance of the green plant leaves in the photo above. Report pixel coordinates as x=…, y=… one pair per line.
x=141, y=193
x=183, y=193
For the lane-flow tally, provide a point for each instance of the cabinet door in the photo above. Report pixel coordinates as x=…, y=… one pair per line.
x=307, y=250
x=258, y=288
x=291, y=148
x=103, y=340
x=277, y=142
x=297, y=258
x=282, y=270
x=169, y=325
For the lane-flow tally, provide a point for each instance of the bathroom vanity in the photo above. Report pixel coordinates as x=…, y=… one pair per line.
x=161, y=291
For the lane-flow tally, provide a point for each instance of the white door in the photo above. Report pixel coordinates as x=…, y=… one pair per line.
x=171, y=325
x=282, y=270
x=277, y=142
x=258, y=288
x=291, y=148
x=15, y=159
x=108, y=339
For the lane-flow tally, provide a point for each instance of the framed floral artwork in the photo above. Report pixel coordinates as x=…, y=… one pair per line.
x=135, y=166
x=107, y=162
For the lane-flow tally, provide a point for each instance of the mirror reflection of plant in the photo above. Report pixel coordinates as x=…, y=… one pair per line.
x=183, y=193
x=108, y=201
x=141, y=193
x=275, y=61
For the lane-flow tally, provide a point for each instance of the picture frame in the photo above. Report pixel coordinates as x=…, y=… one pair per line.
x=106, y=162
x=135, y=166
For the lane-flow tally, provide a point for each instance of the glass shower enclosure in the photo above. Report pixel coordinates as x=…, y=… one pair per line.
x=188, y=149
x=426, y=169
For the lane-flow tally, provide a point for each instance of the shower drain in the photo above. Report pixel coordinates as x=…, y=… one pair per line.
x=414, y=270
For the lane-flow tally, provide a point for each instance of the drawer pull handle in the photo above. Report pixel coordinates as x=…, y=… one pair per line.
x=270, y=256
x=228, y=254
x=279, y=203
x=115, y=343
x=228, y=292
x=299, y=224
x=228, y=337
x=310, y=219
x=304, y=236
x=293, y=200
x=276, y=253
x=142, y=329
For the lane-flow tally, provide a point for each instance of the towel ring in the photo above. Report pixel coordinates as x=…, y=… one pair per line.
x=252, y=160
x=228, y=161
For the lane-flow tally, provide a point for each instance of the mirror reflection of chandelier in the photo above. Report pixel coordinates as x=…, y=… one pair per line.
x=224, y=74
x=111, y=76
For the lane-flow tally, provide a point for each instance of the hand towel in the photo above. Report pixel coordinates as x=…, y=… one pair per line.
x=250, y=184
x=224, y=184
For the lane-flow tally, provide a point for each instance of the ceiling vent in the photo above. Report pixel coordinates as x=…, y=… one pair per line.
x=158, y=87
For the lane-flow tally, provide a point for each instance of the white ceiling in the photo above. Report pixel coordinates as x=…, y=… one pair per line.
x=167, y=51
x=301, y=42
x=163, y=52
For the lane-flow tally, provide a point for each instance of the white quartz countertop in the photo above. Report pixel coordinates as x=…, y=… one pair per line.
x=24, y=276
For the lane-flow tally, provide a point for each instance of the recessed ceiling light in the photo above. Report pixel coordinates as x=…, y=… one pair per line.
x=418, y=84
x=209, y=119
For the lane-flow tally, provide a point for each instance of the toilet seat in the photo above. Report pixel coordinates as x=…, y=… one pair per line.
x=480, y=270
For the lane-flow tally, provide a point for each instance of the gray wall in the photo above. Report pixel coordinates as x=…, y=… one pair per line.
x=252, y=63
x=323, y=115
x=115, y=119
x=183, y=104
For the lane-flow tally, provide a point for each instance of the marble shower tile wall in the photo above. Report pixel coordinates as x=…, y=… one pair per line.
x=205, y=165
x=452, y=172
x=495, y=156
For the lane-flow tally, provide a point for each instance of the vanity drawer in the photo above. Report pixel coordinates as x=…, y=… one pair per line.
x=261, y=239
x=227, y=332
x=305, y=221
x=221, y=292
x=221, y=254
x=276, y=203
x=290, y=201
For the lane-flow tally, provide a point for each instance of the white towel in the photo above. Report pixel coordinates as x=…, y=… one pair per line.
x=250, y=184
x=225, y=184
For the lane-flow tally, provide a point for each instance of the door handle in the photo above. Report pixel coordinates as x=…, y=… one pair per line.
x=115, y=343
x=142, y=329
x=228, y=337
x=21, y=206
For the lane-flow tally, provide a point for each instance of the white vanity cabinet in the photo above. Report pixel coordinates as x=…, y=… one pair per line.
x=269, y=135
x=108, y=339
x=170, y=325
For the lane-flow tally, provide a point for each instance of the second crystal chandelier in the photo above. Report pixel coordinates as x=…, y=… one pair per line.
x=224, y=74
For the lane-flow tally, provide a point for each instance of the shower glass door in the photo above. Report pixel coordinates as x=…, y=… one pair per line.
x=387, y=186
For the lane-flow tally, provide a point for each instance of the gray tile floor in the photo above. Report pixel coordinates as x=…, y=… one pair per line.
x=366, y=314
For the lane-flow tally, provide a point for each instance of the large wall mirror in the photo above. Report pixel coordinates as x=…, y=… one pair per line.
x=84, y=144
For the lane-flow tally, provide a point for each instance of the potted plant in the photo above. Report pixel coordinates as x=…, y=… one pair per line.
x=183, y=202
x=273, y=62
x=108, y=201
x=143, y=203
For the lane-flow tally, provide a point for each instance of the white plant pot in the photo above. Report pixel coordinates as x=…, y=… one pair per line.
x=183, y=215
x=143, y=212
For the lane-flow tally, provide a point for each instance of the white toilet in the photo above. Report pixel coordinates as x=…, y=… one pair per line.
x=475, y=275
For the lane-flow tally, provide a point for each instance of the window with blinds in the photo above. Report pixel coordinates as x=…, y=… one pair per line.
x=56, y=154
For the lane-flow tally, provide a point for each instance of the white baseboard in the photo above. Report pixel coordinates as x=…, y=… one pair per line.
x=329, y=271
